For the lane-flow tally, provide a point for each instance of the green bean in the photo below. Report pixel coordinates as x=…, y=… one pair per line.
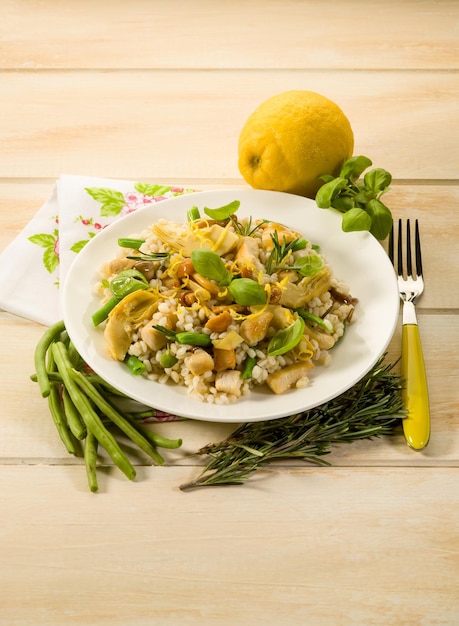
x=74, y=355
x=90, y=461
x=193, y=214
x=54, y=377
x=101, y=314
x=40, y=356
x=193, y=339
x=58, y=415
x=249, y=364
x=118, y=419
x=159, y=440
x=91, y=419
x=130, y=243
x=135, y=365
x=74, y=419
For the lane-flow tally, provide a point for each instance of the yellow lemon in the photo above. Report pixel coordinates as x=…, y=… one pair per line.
x=293, y=138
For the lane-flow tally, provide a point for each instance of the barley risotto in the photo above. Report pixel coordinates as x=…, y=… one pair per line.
x=220, y=304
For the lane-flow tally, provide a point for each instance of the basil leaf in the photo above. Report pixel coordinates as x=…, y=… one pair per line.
x=377, y=181
x=286, y=339
x=343, y=203
x=247, y=292
x=209, y=264
x=126, y=282
x=328, y=192
x=381, y=219
x=353, y=167
x=308, y=265
x=356, y=219
x=223, y=212
x=327, y=178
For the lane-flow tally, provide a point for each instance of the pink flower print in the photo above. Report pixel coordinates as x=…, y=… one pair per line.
x=56, y=247
x=133, y=199
x=126, y=210
x=97, y=226
x=177, y=189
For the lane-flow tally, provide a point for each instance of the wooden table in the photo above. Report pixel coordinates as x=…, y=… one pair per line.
x=158, y=91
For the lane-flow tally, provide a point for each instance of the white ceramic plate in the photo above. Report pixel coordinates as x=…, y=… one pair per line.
x=358, y=259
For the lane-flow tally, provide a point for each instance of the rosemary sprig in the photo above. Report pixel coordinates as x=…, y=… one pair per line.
x=371, y=408
x=246, y=229
x=281, y=250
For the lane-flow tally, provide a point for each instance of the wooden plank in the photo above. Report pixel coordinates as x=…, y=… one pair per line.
x=345, y=546
x=88, y=124
x=28, y=434
x=404, y=34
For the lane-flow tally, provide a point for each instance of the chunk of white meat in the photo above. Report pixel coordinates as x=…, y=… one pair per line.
x=229, y=381
x=286, y=378
x=155, y=339
x=200, y=362
x=255, y=328
x=247, y=255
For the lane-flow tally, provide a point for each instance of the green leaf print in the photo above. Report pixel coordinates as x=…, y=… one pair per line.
x=43, y=240
x=50, y=259
x=151, y=190
x=79, y=245
x=112, y=201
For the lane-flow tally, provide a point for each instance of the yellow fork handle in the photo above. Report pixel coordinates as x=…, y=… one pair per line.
x=415, y=396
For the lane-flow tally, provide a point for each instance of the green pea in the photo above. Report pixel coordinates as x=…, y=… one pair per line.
x=168, y=360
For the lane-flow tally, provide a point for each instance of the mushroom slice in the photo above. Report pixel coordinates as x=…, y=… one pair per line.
x=125, y=318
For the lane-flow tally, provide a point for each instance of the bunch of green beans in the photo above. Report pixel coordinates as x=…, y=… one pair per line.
x=82, y=408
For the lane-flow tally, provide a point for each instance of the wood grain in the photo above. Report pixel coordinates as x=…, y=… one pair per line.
x=133, y=124
x=158, y=92
x=151, y=552
x=350, y=34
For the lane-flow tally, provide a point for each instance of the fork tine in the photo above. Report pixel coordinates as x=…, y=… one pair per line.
x=399, y=250
x=409, y=266
x=417, y=247
x=390, y=245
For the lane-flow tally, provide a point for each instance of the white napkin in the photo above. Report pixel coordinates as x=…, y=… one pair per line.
x=34, y=265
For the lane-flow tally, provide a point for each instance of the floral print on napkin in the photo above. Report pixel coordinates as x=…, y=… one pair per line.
x=113, y=204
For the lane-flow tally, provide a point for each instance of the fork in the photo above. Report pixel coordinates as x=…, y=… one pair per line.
x=415, y=397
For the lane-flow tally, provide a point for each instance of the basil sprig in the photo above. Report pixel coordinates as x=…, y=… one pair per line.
x=358, y=200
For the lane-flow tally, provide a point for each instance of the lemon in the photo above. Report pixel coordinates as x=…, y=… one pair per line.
x=291, y=139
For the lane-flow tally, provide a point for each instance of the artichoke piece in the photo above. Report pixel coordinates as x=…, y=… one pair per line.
x=125, y=319
x=296, y=295
x=213, y=237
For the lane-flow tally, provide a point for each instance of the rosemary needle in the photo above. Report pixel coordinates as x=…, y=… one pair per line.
x=371, y=408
